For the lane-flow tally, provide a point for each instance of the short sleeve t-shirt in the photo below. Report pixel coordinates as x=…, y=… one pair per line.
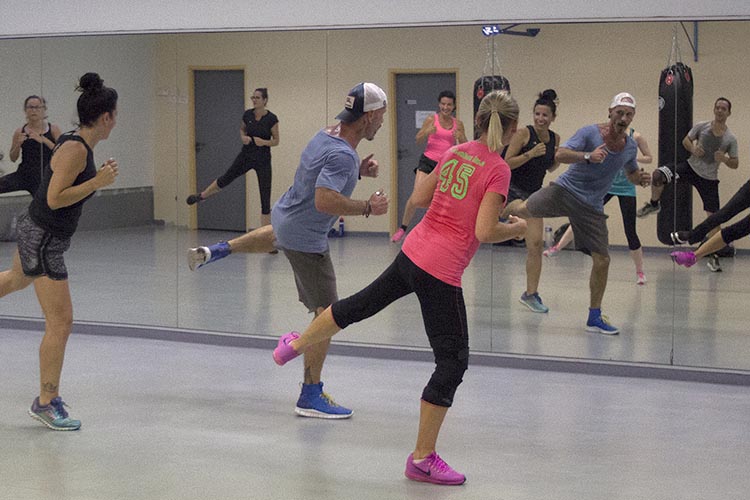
x=444, y=241
x=591, y=182
x=705, y=166
x=329, y=162
x=258, y=128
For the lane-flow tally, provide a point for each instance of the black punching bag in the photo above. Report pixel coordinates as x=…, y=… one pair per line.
x=675, y=121
x=483, y=86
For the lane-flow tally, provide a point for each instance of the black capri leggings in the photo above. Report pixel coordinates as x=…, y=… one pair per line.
x=243, y=164
x=20, y=181
x=628, y=211
x=443, y=313
x=736, y=230
x=739, y=202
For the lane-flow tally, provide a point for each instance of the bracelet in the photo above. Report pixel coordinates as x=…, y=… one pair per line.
x=368, y=209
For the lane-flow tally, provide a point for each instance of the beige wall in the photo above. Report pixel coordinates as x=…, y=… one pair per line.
x=308, y=73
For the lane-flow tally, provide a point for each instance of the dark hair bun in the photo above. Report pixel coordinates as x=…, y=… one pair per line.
x=90, y=82
x=548, y=94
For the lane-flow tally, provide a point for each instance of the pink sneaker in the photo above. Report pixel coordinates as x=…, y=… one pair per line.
x=551, y=251
x=398, y=235
x=284, y=352
x=686, y=259
x=641, y=279
x=432, y=470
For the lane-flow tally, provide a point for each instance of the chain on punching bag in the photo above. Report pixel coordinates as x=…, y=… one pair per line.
x=489, y=80
x=675, y=121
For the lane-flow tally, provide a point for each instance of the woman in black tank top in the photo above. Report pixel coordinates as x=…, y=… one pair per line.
x=530, y=155
x=68, y=180
x=33, y=143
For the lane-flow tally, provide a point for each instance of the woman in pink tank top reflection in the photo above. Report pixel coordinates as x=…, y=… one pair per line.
x=441, y=131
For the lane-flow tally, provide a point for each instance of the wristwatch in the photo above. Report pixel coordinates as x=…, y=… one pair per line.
x=587, y=157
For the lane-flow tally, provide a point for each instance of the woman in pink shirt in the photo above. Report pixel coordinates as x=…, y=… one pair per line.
x=441, y=131
x=465, y=195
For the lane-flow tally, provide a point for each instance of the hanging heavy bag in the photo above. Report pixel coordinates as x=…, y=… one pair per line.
x=675, y=121
x=483, y=86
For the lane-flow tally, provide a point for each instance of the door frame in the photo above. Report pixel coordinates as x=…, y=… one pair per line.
x=393, y=73
x=192, y=187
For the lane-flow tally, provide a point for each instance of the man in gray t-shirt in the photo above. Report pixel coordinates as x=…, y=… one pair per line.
x=326, y=176
x=710, y=143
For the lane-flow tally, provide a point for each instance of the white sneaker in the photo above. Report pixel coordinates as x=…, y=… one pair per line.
x=197, y=257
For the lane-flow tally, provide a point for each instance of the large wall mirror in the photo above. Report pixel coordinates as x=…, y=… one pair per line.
x=128, y=261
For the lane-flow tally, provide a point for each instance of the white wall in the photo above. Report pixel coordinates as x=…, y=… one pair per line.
x=117, y=16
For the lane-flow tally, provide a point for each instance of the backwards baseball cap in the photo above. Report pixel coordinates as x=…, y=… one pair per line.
x=623, y=99
x=362, y=98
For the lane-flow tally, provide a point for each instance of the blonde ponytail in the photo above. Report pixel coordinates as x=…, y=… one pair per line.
x=497, y=111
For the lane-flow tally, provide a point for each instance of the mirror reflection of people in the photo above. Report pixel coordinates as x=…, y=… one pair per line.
x=441, y=131
x=259, y=132
x=625, y=192
x=326, y=176
x=530, y=155
x=710, y=144
x=700, y=233
x=44, y=233
x=33, y=143
x=465, y=195
x=716, y=242
x=595, y=154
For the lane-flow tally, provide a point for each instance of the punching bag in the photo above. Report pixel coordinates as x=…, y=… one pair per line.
x=675, y=121
x=483, y=86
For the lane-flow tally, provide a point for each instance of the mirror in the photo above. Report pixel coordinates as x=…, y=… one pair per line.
x=120, y=243
x=134, y=272
x=17, y=149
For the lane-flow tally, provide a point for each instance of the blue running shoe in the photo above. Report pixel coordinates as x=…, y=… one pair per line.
x=600, y=324
x=54, y=415
x=533, y=302
x=315, y=403
x=200, y=256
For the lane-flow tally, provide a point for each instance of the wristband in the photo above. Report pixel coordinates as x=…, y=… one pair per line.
x=368, y=209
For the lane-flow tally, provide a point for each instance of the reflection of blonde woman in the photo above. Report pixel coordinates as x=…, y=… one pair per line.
x=441, y=131
x=473, y=184
x=33, y=143
x=44, y=232
x=625, y=192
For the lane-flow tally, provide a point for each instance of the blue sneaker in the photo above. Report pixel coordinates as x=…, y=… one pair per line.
x=533, y=302
x=200, y=256
x=54, y=415
x=315, y=403
x=600, y=324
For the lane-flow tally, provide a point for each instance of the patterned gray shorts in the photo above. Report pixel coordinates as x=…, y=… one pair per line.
x=41, y=253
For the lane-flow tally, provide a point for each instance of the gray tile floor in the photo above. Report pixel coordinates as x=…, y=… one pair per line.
x=172, y=420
